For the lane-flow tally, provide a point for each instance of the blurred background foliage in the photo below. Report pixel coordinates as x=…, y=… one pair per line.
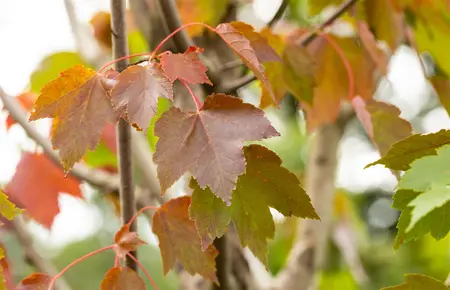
x=360, y=251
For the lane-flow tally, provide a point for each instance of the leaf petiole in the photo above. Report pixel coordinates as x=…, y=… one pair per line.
x=197, y=102
x=143, y=270
x=141, y=211
x=76, y=262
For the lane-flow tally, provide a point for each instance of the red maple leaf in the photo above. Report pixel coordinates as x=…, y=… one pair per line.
x=208, y=143
x=135, y=96
x=186, y=66
x=36, y=185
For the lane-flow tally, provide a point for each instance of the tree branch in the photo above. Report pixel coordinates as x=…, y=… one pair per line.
x=279, y=13
x=120, y=49
x=173, y=20
x=237, y=84
x=307, y=255
x=40, y=263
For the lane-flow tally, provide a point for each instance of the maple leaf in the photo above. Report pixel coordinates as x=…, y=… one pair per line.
x=368, y=39
x=382, y=122
x=126, y=241
x=36, y=185
x=419, y=282
x=299, y=72
x=243, y=47
x=6, y=280
x=274, y=71
x=26, y=101
x=79, y=102
x=441, y=84
x=185, y=66
x=179, y=240
x=430, y=202
x=331, y=78
x=384, y=21
x=265, y=184
x=36, y=281
x=210, y=213
x=50, y=68
x=402, y=153
x=208, y=143
x=7, y=208
x=205, y=11
x=122, y=278
x=263, y=50
x=135, y=96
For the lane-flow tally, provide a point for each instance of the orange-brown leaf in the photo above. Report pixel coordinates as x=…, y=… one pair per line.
x=259, y=42
x=208, y=143
x=36, y=281
x=122, y=278
x=126, y=241
x=382, y=123
x=368, y=39
x=385, y=22
x=186, y=66
x=179, y=240
x=36, y=185
x=333, y=81
x=79, y=102
x=274, y=71
x=135, y=96
x=26, y=101
x=242, y=46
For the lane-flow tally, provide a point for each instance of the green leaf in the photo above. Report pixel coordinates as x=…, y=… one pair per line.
x=50, y=67
x=101, y=156
x=265, y=184
x=316, y=6
x=136, y=44
x=424, y=197
x=402, y=153
x=382, y=122
x=210, y=213
x=298, y=73
x=163, y=105
x=7, y=208
x=384, y=21
x=419, y=282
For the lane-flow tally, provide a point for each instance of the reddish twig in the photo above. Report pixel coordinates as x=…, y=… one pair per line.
x=197, y=102
x=143, y=270
x=78, y=261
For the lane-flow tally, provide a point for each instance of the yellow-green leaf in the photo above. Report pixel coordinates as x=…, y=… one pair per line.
x=419, y=282
x=265, y=184
x=402, y=153
x=7, y=208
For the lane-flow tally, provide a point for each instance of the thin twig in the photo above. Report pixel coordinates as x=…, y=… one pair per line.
x=171, y=16
x=237, y=84
x=120, y=49
x=96, y=178
x=40, y=263
x=279, y=13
